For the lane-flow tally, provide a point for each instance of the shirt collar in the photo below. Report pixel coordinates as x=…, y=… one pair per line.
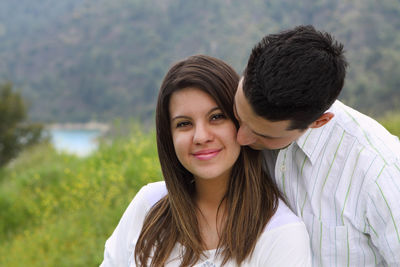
x=314, y=139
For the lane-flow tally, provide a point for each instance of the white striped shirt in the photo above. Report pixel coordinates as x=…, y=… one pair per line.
x=343, y=180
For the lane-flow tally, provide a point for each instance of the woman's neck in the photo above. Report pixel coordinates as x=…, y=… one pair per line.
x=211, y=209
x=210, y=192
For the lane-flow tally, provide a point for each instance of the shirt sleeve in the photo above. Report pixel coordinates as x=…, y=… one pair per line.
x=288, y=245
x=382, y=219
x=120, y=246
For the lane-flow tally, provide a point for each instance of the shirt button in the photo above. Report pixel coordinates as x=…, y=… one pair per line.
x=283, y=168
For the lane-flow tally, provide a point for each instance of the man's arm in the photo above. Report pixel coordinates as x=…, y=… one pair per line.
x=383, y=213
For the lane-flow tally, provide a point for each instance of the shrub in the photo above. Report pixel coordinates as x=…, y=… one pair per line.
x=60, y=209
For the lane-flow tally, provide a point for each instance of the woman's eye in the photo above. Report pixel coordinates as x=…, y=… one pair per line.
x=182, y=124
x=218, y=116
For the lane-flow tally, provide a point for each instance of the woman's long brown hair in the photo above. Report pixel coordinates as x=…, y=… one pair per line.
x=251, y=197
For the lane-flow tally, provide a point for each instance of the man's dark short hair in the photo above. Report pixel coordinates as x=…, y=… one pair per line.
x=295, y=75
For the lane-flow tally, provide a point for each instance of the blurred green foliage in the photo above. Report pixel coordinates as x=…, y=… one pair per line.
x=391, y=121
x=58, y=210
x=15, y=132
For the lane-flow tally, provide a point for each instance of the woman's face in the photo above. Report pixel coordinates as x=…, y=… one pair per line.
x=204, y=138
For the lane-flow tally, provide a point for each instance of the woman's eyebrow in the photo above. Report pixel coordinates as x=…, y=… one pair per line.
x=180, y=117
x=212, y=110
x=187, y=117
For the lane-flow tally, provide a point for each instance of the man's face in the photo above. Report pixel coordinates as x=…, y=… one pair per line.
x=258, y=132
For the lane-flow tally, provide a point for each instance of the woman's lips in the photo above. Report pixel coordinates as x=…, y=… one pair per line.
x=206, y=154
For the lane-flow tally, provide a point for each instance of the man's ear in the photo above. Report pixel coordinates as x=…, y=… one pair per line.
x=321, y=121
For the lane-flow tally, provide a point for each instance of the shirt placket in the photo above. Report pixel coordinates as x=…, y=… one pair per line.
x=281, y=170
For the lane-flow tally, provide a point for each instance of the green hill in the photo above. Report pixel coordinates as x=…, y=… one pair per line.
x=79, y=60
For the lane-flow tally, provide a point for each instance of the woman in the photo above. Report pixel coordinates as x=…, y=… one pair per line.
x=217, y=205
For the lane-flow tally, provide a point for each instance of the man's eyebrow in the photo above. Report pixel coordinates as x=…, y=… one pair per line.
x=264, y=136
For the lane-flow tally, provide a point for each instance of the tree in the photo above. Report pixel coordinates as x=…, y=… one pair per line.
x=15, y=132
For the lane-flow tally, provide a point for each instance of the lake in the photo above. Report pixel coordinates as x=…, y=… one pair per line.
x=80, y=142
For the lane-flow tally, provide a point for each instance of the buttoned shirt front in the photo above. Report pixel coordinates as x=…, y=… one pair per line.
x=343, y=180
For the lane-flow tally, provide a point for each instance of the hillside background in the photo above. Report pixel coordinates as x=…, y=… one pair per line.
x=81, y=60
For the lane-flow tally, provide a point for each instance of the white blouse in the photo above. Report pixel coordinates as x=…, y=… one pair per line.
x=284, y=241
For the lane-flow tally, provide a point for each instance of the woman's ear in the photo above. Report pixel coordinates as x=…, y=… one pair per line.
x=321, y=121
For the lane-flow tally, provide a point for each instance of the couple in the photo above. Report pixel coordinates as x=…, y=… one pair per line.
x=223, y=204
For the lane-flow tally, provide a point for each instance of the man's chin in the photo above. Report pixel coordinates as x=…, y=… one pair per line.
x=257, y=147
x=261, y=147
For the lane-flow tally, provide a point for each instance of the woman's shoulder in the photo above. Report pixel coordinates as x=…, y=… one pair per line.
x=282, y=217
x=119, y=247
x=133, y=217
x=284, y=241
x=144, y=199
x=284, y=228
x=153, y=192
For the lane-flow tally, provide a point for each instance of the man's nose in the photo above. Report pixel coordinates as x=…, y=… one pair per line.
x=245, y=137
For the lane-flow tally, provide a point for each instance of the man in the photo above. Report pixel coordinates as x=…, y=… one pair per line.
x=338, y=169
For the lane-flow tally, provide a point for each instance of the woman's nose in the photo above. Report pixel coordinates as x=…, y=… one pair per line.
x=202, y=134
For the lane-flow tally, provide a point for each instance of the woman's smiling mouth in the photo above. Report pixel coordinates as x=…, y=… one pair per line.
x=206, y=154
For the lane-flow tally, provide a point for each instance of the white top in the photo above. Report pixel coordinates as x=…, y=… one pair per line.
x=343, y=180
x=284, y=242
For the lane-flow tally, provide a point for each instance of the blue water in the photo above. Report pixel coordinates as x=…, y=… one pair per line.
x=78, y=142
